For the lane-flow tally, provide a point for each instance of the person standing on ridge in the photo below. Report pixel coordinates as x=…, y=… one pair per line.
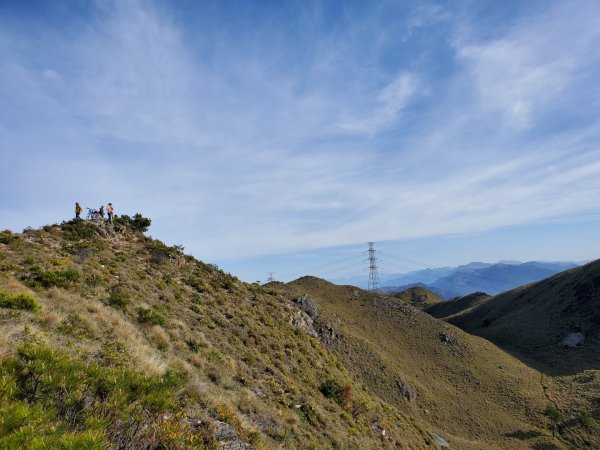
x=109, y=212
x=78, y=210
x=101, y=211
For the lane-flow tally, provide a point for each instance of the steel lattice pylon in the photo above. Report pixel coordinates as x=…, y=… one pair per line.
x=373, y=275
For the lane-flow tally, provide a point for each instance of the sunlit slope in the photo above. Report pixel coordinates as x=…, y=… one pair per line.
x=131, y=344
x=467, y=389
x=418, y=297
x=553, y=324
x=449, y=308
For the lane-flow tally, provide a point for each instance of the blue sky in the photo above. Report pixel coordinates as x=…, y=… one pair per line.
x=281, y=136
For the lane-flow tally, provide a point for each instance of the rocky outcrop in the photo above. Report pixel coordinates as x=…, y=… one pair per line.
x=407, y=391
x=307, y=318
x=308, y=305
x=227, y=437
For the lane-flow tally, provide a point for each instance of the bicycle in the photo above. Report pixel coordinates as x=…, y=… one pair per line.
x=93, y=214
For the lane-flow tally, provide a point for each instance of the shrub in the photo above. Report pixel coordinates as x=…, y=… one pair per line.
x=7, y=236
x=160, y=252
x=78, y=229
x=49, y=278
x=193, y=345
x=146, y=315
x=48, y=400
x=22, y=301
x=136, y=223
x=586, y=420
x=75, y=325
x=308, y=414
x=554, y=415
x=118, y=300
x=333, y=390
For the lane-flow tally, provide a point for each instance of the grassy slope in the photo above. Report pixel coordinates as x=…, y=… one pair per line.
x=471, y=392
x=456, y=306
x=242, y=360
x=418, y=297
x=531, y=321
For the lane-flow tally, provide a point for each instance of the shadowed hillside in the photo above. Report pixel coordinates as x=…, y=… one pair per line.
x=469, y=391
x=553, y=324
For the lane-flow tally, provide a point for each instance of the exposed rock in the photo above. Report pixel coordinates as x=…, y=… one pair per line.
x=573, y=340
x=308, y=305
x=227, y=437
x=407, y=391
x=302, y=320
x=440, y=441
x=328, y=334
x=448, y=338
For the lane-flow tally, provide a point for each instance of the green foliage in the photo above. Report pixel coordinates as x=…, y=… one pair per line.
x=333, y=390
x=586, y=420
x=149, y=316
x=193, y=345
x=75, y=325
x=78, y=229
x=160, y=252
x=7, y=236
x=48, y=400
x=22, y=301
x=118, y=299
x=136, y=223
x=307, y=414
x=554, y=415
x=49, y=278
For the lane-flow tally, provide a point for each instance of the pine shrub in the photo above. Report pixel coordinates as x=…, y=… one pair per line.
x=22, y=301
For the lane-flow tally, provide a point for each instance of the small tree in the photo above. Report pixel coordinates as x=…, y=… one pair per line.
x=137, y=222
x=140, y=223
x=555, y=417
x=587, y=421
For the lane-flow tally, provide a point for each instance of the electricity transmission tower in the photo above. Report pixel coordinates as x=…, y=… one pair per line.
x=271, y=277
x=373, y=275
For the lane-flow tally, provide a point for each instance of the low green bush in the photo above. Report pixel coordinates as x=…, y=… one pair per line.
x=22, y=301
x=48, y=278
x=78, y=229
x=336, y=392
x=586, y=420
x=161, y=252
x=136, y=223
x=149, y=316
x=118, y=300
x=49, y=400
x=7, y=236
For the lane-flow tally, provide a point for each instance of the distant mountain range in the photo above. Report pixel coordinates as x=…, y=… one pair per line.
x=449, y=282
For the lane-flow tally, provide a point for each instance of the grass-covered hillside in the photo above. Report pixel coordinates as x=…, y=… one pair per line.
x=110, y=339
x=554, y=324
x=418, y=296
x=457, y=305
x=468, y=390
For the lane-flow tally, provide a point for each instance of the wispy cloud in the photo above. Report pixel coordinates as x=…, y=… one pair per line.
x=254, y=138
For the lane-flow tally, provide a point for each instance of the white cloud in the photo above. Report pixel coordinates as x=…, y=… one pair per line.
x=241, y=152
x=388, y=104
x=533, y=68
